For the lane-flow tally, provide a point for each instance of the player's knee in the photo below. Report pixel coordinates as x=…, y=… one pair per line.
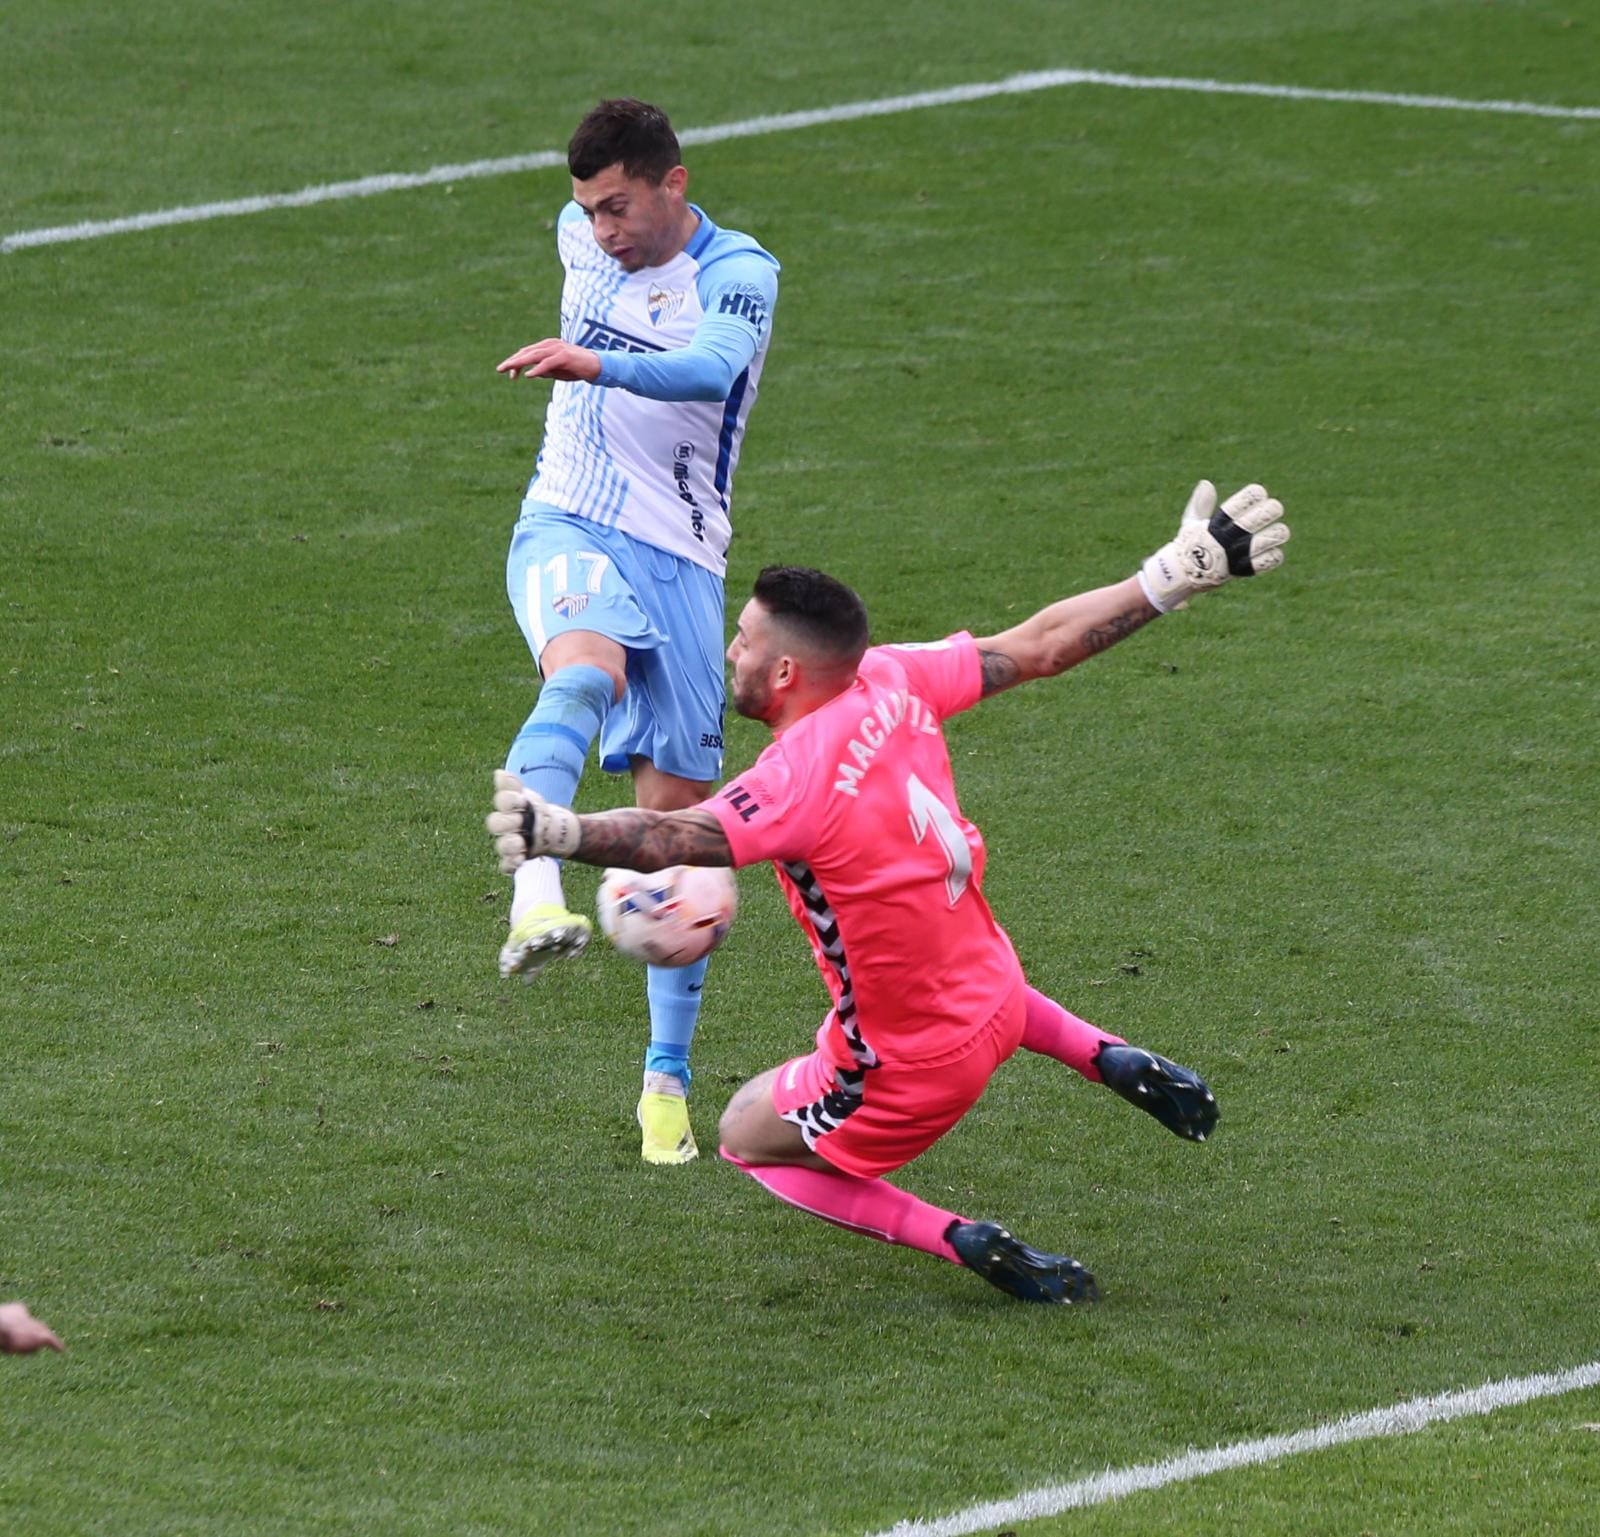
x=580, y=648
x=736, y=1131
x=728, y=1129
x=617, y=675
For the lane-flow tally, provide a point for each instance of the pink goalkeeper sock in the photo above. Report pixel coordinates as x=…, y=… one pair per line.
x=1052, y=1032
x=870, y=1206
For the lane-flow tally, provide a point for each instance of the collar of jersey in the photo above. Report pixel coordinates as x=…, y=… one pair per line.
x=702, y=237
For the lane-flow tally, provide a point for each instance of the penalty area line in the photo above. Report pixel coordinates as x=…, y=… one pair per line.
x=784, y=122
x=1114, y=1484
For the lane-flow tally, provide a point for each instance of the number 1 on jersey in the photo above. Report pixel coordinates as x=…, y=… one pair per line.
x=928, y=811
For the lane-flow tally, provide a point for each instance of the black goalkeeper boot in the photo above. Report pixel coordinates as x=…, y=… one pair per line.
x=1025, y=1273
x=1176, y=1097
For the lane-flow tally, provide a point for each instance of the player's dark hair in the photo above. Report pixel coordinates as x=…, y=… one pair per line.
x=824, y=612
x=622, y=129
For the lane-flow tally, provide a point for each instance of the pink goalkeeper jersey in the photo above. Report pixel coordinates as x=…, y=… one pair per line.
x=855, y=806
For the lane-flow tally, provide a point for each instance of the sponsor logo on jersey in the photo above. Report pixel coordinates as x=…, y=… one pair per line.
x=746, y=302
x=600, y=337
x=742, y=801
x=681, y=455
x=570, y=604
x=664, y=303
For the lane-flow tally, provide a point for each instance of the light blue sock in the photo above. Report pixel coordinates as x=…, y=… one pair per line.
x=549, y=751
x=674, y=993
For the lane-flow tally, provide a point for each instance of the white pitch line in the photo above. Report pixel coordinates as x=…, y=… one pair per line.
x=750, y=127
x=1113, y=1484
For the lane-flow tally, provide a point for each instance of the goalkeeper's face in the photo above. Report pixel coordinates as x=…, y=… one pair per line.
x=756, y=660
x=638, y=222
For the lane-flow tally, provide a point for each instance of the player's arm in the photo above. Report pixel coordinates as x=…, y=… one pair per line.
x=737, y=293
x=1064, y=634
x=524, y=826
x=738, y=307
x=1214, y=544
x=705, y=369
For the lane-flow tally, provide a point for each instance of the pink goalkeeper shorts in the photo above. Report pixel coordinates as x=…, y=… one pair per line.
x=894, y=1111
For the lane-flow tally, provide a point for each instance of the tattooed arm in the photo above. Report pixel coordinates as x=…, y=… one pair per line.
x=652, y=840
x=1064, y=634
x=1242, y=537
x=525, y=826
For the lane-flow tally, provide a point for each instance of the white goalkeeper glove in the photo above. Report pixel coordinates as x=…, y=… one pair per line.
x=525, y=825
x=1241, y=538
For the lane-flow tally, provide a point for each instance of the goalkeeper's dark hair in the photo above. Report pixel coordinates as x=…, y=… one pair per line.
x=622, y=129
x=828, y=616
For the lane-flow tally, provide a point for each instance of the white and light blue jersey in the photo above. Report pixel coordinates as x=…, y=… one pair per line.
x=651, y=447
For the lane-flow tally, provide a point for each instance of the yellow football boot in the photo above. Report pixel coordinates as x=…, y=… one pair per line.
x=545, y=933
x=664, y=1120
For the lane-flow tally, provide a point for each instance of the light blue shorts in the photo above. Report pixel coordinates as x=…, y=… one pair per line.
x=567, y=573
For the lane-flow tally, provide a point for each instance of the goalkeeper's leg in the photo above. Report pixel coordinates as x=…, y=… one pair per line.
x=883, y=1211
x=1174, y=1095
x=1053, y=1031
x=821, y=1140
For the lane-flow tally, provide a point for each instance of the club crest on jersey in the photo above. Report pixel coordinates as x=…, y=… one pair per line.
x=570, y=604
x=664, y=303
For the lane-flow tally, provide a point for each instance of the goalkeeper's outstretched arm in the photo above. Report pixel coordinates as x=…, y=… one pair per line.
x=1214, y=544
x=524, y=826
x=1064, y=634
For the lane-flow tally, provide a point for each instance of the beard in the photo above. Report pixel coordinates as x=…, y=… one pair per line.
x=753, y=699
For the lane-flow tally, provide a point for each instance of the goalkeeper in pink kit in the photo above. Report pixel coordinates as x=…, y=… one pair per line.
x=855, y=806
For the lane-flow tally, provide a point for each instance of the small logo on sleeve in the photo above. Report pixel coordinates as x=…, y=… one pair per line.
x=747, y=303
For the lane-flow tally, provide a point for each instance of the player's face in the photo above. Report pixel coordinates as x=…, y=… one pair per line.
x=638, y=222
x=754, y=657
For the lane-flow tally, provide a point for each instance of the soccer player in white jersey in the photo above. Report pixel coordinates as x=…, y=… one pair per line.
x=617, y=561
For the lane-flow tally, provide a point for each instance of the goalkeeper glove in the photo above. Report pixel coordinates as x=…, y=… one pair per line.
x=525, y=825
x=1214, y=544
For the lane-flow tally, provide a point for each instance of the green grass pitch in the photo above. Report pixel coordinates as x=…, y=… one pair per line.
x=347, y=1237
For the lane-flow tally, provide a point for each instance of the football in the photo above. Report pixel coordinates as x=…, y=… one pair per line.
x=672, y=917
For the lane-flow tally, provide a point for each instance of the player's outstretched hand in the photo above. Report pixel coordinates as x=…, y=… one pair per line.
x=552, y=359
x=1243, y=537
x=21, y=1333
x=525, y=825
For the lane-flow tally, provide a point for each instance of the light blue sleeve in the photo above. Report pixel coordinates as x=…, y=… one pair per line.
x=737, y=293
